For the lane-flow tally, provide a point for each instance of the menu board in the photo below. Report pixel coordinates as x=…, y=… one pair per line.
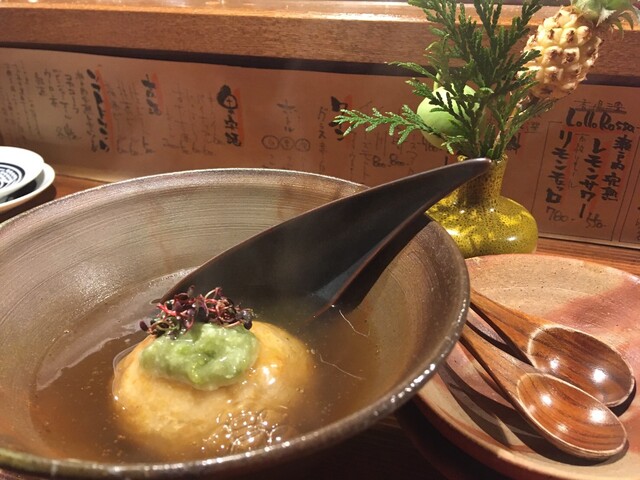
x=109, y=118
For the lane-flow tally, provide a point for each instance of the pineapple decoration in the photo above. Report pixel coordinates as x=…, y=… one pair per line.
x=480, y=91
x=568, y=43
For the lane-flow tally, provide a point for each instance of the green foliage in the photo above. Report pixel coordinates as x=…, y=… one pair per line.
x=474, y=52
x=405, y=123
x=608, y=11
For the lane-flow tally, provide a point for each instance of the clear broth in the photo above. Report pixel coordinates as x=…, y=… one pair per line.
x=71, y=404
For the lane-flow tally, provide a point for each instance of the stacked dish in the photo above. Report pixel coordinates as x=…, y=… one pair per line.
x=23, y=175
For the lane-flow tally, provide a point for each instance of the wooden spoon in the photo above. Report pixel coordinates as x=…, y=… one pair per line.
x=569, y=418
x=571, y=354
x=311, y=259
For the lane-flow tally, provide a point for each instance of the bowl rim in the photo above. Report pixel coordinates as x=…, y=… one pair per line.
x=321, y=438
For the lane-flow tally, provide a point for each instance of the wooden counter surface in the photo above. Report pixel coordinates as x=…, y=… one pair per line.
x=386, y=450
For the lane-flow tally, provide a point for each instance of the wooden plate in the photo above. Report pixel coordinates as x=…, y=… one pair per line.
x=464, y=405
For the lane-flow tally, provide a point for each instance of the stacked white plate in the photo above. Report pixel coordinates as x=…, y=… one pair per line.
x=23, y=175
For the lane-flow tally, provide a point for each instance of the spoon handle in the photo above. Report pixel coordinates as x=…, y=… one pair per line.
x=497, y=363
x=515, y=326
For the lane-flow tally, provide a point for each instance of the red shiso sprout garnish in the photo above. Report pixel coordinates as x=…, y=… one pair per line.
x=179, y=314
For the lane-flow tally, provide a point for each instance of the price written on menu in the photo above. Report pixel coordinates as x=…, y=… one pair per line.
x=110, y=118
x=588, y=182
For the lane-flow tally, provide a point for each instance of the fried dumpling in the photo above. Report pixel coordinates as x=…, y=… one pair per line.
x=170, y=416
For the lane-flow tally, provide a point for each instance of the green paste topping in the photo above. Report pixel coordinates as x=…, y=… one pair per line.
x=206, y=357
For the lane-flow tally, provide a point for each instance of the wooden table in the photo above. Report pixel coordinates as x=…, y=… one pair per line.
x=387, y=450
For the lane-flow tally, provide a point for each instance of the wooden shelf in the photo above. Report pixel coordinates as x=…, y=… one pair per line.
x=343, y=31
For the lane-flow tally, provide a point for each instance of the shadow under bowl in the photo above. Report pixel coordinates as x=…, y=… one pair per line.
x=63, y=260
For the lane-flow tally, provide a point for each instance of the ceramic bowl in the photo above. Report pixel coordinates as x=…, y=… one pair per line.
x=67, y=258
x=37, y=186
x=18, y=167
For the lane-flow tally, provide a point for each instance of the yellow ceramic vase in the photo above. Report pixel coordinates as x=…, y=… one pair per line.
x=482, y=221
